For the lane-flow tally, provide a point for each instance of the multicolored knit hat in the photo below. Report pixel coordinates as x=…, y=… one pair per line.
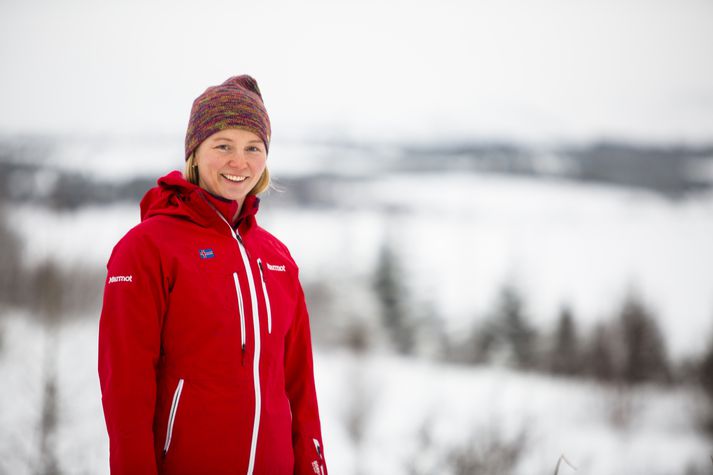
x=235, y=103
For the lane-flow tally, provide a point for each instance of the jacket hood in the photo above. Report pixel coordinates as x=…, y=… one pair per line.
x=174, y=196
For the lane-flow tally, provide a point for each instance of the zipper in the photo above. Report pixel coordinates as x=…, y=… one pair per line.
x=172, y=415
x=256, y=356
x=318, y=447
x=256, y=328
x=241, y=309
x=267, y=298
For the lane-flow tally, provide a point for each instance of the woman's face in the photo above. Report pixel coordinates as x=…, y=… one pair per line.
x=230, y=163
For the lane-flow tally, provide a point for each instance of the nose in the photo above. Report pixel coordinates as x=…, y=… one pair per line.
x=237, y=159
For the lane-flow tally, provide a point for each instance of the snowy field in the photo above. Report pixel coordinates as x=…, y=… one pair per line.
x=393, y=400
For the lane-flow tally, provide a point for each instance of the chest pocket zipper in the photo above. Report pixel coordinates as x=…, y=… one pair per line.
x=172, y=415
x=241, y=311
x=267, y=297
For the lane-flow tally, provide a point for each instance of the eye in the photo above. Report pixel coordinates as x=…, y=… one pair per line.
x=224, y=147
x=253, y=148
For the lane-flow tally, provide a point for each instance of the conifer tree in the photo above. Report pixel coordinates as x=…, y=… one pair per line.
x=10, y=265
x=512, y=331
x=705, y=372
x=645, y=355
x=600, y=357
x=565, y=355
x=390, y=295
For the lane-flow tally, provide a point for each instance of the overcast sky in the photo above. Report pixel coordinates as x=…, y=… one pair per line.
x=373, y=69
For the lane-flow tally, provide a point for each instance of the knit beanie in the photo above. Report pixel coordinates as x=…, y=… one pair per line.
x=235, y=103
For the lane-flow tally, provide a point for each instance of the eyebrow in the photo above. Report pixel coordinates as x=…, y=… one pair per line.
x=231, y=140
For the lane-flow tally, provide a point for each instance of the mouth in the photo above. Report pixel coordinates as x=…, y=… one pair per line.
x=234, y=178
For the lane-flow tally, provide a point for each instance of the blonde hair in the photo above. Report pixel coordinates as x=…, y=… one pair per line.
x=190, y=173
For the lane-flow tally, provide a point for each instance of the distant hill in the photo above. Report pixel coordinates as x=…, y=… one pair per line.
x=32, y=170
x=672, y=170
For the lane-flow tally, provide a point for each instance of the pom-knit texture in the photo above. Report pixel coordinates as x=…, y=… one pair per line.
x=235, y=103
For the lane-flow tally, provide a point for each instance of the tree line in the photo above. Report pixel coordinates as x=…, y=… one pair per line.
x=627, y=348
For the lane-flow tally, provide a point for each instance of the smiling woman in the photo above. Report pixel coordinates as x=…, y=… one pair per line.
x=205, y=356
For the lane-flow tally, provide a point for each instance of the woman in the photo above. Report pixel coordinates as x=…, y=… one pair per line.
x=205, y=358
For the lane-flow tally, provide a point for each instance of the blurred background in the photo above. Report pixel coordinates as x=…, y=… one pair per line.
x=502, y=211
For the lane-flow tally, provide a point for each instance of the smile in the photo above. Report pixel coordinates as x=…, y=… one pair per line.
x=234, y=178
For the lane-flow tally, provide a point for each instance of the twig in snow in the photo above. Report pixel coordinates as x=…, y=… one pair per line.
x=562, y=457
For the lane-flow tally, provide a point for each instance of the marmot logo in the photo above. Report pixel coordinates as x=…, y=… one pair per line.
x=276, y=268
x=120, y=278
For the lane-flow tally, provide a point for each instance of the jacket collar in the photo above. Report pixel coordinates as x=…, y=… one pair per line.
x=174, y=196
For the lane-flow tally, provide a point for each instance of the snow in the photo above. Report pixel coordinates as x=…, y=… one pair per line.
x=398, y=396
x=82, y=237
x=462, y=236
x=557, y=416
x=116, y=158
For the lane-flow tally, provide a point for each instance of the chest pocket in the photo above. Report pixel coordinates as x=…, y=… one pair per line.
x=275, y=286
x=265, y=295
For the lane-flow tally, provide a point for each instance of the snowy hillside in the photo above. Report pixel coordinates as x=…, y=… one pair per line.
x=460, y=237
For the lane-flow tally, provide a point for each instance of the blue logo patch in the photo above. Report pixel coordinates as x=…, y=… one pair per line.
x=206, y=253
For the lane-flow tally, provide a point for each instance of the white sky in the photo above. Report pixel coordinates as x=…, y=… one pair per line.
x=373, y=69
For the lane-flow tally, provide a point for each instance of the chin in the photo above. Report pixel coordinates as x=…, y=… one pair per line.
x=234, y=196
x=230, y=197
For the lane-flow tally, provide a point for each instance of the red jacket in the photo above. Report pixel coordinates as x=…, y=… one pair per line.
x=205, y=359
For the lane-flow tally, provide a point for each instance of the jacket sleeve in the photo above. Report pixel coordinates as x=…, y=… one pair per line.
x=129, y=350
x=299, y=377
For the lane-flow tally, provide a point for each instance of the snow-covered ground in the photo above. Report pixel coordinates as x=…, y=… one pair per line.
x=463, y=404
x=393, y=400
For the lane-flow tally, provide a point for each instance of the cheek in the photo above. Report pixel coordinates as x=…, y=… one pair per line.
x=259, y=165
x=207, y=164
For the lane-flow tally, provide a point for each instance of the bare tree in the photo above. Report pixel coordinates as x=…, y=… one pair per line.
x=493, y=457
x=359, y=404
x=485, y=451
x=47, y=286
